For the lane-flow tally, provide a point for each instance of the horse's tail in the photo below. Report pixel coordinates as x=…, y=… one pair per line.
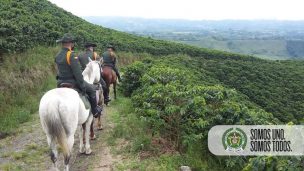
x=56, y=130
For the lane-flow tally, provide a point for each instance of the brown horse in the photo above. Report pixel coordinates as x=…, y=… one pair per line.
x=100, y=102
x=110, y=77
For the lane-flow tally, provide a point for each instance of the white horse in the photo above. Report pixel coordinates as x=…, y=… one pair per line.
x=61, y=110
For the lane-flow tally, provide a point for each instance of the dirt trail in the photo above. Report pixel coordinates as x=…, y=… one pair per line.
x=28, y=150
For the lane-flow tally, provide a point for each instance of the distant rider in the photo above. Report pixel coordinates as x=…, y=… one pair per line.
x=69, y=72
x=110, y=59
x=84, y=60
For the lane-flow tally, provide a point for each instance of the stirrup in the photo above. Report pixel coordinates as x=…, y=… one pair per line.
x=107, y=100
x=98, y=111
x=66, y=85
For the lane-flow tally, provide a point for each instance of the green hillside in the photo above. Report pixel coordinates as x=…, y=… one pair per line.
x=267, y=49
x=31, y=22
x=178, y=104
x=276, y=86
x=212, y=87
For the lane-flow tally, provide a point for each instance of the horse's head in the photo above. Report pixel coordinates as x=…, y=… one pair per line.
x=92, y=72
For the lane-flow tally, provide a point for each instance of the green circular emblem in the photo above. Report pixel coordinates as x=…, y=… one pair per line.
x=234, y=139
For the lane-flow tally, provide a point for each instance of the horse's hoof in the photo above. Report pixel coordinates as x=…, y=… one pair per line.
x=82, y=150
x=88, y=152
x=55, y=169
x=100, y=128
x=93, y=138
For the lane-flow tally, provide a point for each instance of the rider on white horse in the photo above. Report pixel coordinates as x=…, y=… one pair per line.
x=85, y=57
x=61, y=110
x=69, y=71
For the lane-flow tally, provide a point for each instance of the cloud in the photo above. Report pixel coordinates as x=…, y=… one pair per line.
x=188, y=9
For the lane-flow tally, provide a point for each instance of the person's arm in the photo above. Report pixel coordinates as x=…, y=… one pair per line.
x=102, y=57
x=77, y=72
x=113, y=58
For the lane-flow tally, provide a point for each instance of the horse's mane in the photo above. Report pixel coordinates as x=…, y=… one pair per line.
x=88, y=69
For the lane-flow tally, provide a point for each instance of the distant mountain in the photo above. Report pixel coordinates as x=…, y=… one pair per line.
x=142, y=24
x=271, y=39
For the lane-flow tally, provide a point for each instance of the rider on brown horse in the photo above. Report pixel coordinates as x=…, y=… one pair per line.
x=110, y=59
x=109, y=65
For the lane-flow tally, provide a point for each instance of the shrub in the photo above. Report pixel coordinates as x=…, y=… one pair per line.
x=174, y=106
x=132, y=76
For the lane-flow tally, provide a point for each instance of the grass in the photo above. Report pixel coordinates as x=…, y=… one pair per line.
x=28, y=157
x=26, y=149
x=32, y=155
x=11, y=167
x=129, y=127
x=24, y=78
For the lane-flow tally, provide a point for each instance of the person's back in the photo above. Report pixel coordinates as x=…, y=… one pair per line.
x=88, y=54
x=110, y=59
x=64, y=71
x=84, y=58
x=68, y=69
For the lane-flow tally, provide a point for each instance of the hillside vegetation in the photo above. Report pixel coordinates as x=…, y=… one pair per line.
x=178, y=91
x=182, y=108
x=33, y=22
x=24, y=77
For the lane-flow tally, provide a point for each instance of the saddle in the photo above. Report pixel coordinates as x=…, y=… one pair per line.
x=84, y=98
x=66, y=85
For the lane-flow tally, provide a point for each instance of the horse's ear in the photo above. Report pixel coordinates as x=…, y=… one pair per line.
x=90, y=60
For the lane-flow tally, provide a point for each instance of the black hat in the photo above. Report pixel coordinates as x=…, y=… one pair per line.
x=86, y=45
x=111, y=46
x=67, y=38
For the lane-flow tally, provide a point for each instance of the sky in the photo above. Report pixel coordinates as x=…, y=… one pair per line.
x=188, y=9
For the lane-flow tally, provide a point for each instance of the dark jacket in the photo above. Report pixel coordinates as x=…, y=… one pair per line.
x=84, y=58
x=108, y=60
x=69, y=69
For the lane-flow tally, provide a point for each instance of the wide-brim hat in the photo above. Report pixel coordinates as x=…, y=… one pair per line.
x=67, y=38
x=86, y=45
x=111, y=46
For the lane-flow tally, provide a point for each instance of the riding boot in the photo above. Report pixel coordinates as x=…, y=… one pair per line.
x=106, y=95
x=91, y=92
x=103, y=83
x=117, y=73
x=96, y=110
x=118, y=76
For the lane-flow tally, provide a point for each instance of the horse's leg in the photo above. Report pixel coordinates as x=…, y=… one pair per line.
x=108, y=90
x=54, y=152
x=87, y=135
x=107, y=93
x=68, y=157
x=114, y=87
x=81, y=146
x=101, y=103
x=99, y=123
x=92, y=135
